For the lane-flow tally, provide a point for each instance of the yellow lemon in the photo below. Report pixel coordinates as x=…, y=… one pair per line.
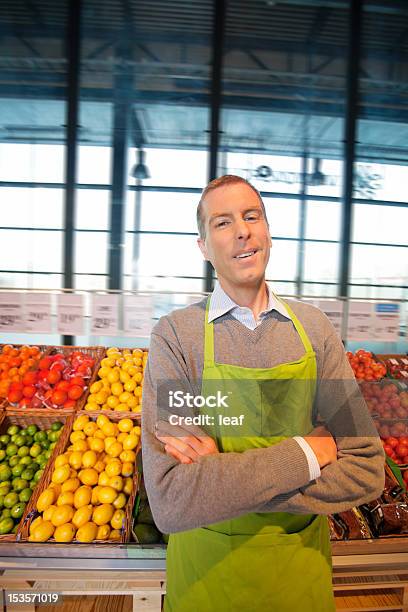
x=80, y=445
x=125, y=366
x=77, y=435
x=122, y=436
x=137, y=409
x=113, y=377
x=101, y=397
x=103, y=532
x=80, y=422
x=133, y=403
x=116, y=482
x=114, y=449
x=62, y=514
x=124, y=397
x=96, y=444
x=101, y=420
x=132, y=371
x=129, y=386
x=70, y=485
x=116, y=389
x=65, y=499
x=86, y=533
x=56, y=488
x=47, y=514
x=128, y=486
x=112, y=401
x=138, y=392
x=91, y=406
x=128, y=455
x=122, y=408
x=72, y=473
x=120, y=501
x=82, y=496
x=36, y=522
x=105, y=407
x=127, y=468
x=75, y=460
x=108, y=441
x=110, y=429
x=88, y=476
x=99, y=466
x=106, y=495
x=125, y=425
x=61, y=460
x=102, y=514
x=96, y=387
x=90, y=428
x=130, y=442
x=61, y=474
x=103, y=479
x=91, y=398
x=95, y=493
x=89, y=459
x=137, y=352
x=108, y=362
x=136, y=430
x=115, y=535
x=42, y=532
x=113, y=468
x=64, y=533
x=124, y=377
x=118, y=519
x=99, y=434
x=104, y=371
x=82, y=515
x=112, y=349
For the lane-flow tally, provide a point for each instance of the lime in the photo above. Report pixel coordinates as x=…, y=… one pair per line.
x=48, y=431
x=35, y=450
x=10, y=499
x=43, y=462
x=5, y=513
x=11, y=449
x=45, y=444
x=17, y=470
x=48, y=453
x=40, y=436
x=2, y=454
x=13, y=430
x=5, y=439
x=56, y=426
x=37, y=476
x=5, y=472
x=28, y=474
x=19, y=440
x=14, y=460
x=23, y=451
x=27, y=460
x=17, y=510
x=15, y=529
x=4, y=489
x=2, y=501
x=52, y=445
x=29, y=440
x=6, y=525
x=32, y=430
x=25, y=494
x=19, y=484
x=32, y=484
x=54, y=435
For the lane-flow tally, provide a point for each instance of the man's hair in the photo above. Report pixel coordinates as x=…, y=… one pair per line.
x=222, y=181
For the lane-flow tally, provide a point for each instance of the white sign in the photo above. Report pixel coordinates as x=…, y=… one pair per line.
x=333, y=309
x=360, y=321
x=11, y=312
x=37, y=313
x=104, y=320
x=386, y=322
x=70, y=314
x=138, y=315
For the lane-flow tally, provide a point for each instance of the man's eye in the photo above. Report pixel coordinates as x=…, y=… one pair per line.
x=221, y=223
x=251, y=217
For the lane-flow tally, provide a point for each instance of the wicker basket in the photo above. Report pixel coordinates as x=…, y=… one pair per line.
x=43, y=419
x=32, y=513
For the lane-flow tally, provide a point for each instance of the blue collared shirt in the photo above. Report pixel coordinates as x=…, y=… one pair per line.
x=220, y=304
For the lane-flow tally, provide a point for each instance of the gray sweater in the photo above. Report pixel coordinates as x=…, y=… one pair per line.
x=272, y=479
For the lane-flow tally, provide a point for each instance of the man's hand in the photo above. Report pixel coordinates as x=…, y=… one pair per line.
x=187, y=448
x=323, y=445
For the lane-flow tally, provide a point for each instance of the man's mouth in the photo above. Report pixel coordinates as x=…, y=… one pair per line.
x=246, y=254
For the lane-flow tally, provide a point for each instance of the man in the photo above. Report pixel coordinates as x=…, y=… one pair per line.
x=245, y=495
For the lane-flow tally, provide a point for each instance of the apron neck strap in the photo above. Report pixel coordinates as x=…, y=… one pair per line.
x=208, y=338
x=298, y=326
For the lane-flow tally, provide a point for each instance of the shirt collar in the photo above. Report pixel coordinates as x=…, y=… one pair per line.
x=221, y=303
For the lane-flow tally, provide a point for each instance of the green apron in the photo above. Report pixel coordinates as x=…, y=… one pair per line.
x=260, y=561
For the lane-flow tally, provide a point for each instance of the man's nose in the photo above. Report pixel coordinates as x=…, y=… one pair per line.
x=242, y=229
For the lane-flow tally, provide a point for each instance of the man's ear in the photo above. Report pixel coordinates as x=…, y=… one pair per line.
x=203, y=248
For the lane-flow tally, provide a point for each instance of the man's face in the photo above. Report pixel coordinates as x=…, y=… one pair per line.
x=237, y=239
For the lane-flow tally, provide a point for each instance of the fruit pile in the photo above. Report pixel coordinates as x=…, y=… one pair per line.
x=90, y=484
x=396, y=447
x=58, y=382
x=24, y=453
x=397, y=368
x=121, y=382
x=15, y=363
x=365, y=367
x=385, y=400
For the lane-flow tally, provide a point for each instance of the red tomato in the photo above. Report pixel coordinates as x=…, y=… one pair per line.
x=393, y=442
x=58, y=397
x=29, y=391
x=63, y=385
x=401, y=450
x=53, y=376
x=69, y=403
x=24, y=403
x=405, y=475
x=58, y=366
x=75, y=392
x=77, y=380
x=14, y=396
x=30, y=378
x=44, y=363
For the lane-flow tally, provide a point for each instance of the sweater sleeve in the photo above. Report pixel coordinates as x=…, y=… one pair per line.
x=217, y=487
x=358, y=474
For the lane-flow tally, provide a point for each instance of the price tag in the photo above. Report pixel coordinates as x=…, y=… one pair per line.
x=386, y=322
x=37, y=313
x=104, y=320
x=333, y=309
x=138, y=315
x=70, y=315
x=360, y=321
x=12, y=312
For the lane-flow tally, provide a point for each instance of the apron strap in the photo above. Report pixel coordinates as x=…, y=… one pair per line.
x=298, y=326
x=208, y=338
